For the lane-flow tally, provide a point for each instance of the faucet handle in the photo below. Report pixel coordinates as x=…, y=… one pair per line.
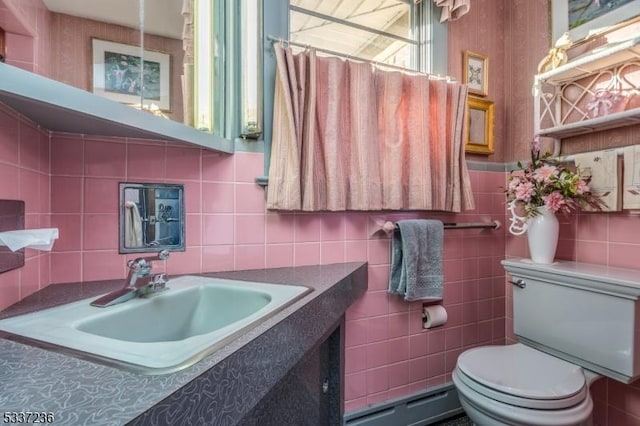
x=159, y=281
x=162, y=255
x=145, y=262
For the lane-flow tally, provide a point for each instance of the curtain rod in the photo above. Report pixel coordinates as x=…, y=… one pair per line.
x=356, y=58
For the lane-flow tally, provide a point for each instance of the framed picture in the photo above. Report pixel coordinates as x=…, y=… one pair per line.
x=479, y=138
x=116, y=74
x=475, y=68
x=585, y=18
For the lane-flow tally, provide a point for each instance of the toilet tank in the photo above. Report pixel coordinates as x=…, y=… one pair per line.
x=586, y=314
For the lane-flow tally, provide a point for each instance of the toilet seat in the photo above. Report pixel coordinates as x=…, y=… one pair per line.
x=489, y=412
x=522, y=376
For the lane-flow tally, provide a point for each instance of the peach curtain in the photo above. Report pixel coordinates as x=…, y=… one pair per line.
x=348, y=137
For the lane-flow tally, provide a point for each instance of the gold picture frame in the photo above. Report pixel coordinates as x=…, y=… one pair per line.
x=479, y=119
x=475, y=73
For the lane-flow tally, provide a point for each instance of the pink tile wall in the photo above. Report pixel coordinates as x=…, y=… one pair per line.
x=24, y=175
x=27, y=25
x=388, y=354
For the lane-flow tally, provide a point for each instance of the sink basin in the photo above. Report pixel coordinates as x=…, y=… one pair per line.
x=159, y=334
x=178, y=315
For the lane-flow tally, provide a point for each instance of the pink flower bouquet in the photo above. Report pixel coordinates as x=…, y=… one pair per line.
x=544, y=182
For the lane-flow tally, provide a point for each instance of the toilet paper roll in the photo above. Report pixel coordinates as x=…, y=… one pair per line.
x=434, y=316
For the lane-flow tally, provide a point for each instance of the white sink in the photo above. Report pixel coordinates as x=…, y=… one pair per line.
x=163, y=333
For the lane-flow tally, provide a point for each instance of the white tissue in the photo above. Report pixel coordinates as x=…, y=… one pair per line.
x=38, y=239
x=434, y=316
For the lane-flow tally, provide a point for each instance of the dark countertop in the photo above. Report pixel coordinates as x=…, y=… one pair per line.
x=221, y=388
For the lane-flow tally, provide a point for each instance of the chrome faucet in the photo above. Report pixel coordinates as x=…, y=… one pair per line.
x=139, y=281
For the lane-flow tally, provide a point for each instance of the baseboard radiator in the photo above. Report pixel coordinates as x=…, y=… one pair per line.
x=423, y=408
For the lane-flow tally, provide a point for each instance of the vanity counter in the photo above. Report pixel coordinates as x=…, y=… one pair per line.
x=226, y=387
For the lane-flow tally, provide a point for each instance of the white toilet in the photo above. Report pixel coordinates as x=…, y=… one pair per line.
x=576, y=323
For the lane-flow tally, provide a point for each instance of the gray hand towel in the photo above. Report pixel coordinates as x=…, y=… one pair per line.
x=416, y=260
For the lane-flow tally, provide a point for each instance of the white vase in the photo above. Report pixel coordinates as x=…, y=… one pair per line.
x=542, y=234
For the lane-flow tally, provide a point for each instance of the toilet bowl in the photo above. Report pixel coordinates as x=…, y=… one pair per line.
x=518, y=385
x=574, y=322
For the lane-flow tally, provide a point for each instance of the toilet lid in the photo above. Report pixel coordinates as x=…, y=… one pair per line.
x=524, y=373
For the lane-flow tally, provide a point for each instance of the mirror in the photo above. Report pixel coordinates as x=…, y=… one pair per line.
x=96, y=45
x=193, y=62
x=151, y=217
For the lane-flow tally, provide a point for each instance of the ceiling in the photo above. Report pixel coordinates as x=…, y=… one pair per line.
x=162, y=17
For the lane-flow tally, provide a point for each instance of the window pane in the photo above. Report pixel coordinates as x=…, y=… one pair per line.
x=390, y=16
x=251, y=121
x=219, y=56
x=209, y=66
x=203, y=114
x=378, y=30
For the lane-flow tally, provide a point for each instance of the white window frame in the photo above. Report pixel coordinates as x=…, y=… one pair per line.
x=432, y=36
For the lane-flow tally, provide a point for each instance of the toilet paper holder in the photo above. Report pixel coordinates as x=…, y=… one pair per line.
x=433, y=316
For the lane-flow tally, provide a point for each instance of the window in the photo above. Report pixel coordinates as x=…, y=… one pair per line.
x=396, y=32
x=251, y=64
x=403, y=33
x=377, y=30
x=227, y=66
x=204, y=42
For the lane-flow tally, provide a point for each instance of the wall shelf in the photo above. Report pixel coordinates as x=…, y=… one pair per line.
x=597, y=60
x=59, y=107
x=611, y=121
x=562, y=94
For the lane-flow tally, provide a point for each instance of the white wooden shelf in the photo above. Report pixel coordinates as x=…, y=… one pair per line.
x=568, y=87
x=606, y=57
x=611, y=121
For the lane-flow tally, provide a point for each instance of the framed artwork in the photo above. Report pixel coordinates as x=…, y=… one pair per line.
x=117, y=75
x=479, y=137
x=475, y=73
x=583, y=18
